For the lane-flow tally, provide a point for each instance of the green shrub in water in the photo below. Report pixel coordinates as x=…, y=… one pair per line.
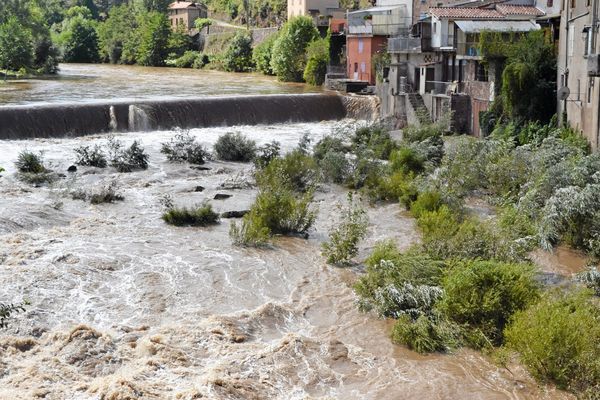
x=343, y=241
x=484, y=295
x=91, y=156
x=335, y=167
x=127, y=159
x=296, y=170
x=329, y=144
x=202, y=215
x=30, y=162
x=183, y=147
x=427, y=334
x=235, y=147
x=558, y=339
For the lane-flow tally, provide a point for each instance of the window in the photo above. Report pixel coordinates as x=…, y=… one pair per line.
x=578, y=89
x=549, y=3
x=363, y=67
x=360, y=46
x=573, y=4
x=481, y=74
x=434, y=27
x=590, y=87
x=355, y=67
x=587, y=38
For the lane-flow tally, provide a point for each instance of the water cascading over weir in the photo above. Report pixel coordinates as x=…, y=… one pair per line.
x=66, y=120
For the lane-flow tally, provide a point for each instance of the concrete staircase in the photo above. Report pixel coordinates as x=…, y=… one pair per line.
x=419, y=109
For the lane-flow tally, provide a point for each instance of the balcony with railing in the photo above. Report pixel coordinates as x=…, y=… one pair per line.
x=437, y=87
x=468, y=49
x=404, y=45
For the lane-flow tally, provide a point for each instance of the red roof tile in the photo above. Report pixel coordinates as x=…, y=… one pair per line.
x=465, y=13
x=508, y=9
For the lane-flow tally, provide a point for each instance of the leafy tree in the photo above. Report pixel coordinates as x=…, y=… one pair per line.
x=78, y=38
x=201, y=23
x=16, y=48
x=238, y=56
x=154, y=5
x=289, y=50
x=116, y=35
x=153, y=33
x=317, y=54
x=179, y=41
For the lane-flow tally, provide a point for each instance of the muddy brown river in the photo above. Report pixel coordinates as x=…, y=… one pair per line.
x=124, y=306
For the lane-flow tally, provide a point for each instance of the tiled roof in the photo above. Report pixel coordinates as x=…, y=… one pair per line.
x=178, y=5
x=465, y=13
x=508, y=9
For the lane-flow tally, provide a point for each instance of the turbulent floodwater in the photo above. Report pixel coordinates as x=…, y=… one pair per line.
x=124, y=306
x=96, y=82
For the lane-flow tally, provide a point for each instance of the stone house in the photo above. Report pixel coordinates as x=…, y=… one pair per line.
x=438, y=67
x=579, y=68
x=186, y=13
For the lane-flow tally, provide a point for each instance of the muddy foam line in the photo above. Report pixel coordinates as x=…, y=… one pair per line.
x=126, y=307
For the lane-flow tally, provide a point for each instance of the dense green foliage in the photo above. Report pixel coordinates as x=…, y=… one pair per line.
x=127, y=159
x=154, y=31
x=261, y=56
x=29, y=162
x=25, y=42
x=77, y=37
x=317, y=55
x=558, y=339
x=288, y=59
x=528, y=65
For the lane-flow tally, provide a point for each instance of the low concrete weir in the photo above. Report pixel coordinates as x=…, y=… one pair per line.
x=68, y=120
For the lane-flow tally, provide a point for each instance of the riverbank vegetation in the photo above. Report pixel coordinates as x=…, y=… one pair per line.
x=201, y=215
x=470, y=282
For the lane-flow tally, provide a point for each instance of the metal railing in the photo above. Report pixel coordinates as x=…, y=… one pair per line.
x=468, y=49
x=437, y=87
x=369, y=28
x=336, y=70
x=447, y=40
x=404, y=45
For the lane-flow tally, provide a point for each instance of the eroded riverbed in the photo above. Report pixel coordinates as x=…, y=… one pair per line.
x=125, y=306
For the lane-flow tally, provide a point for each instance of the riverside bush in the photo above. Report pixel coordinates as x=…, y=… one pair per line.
x=127, y=159
x=329, y=144
x=183, y=147
x=427, y=334
x=201, y=215
x=343, y=241
x=233, y=146
x=407, y=160
x=261, y=55
x=426, y=202
x=7, y=310
x=558, y=339
x=374, y=138
x=317, y=55
x=108, y=193
x=90, y=156
x=238, y=55
x=335, y=167
x=483, y=296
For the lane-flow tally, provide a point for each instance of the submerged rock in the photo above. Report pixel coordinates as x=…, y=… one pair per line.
x=222, y=196
x=200, y=168
x=198, y=189
x=234, y=214
x=72, y=168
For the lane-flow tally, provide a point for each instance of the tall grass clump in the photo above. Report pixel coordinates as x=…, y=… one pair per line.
x=233, y=146
x=201, y=215
x=183, y=147
x=90, y=156
x=343, y=241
